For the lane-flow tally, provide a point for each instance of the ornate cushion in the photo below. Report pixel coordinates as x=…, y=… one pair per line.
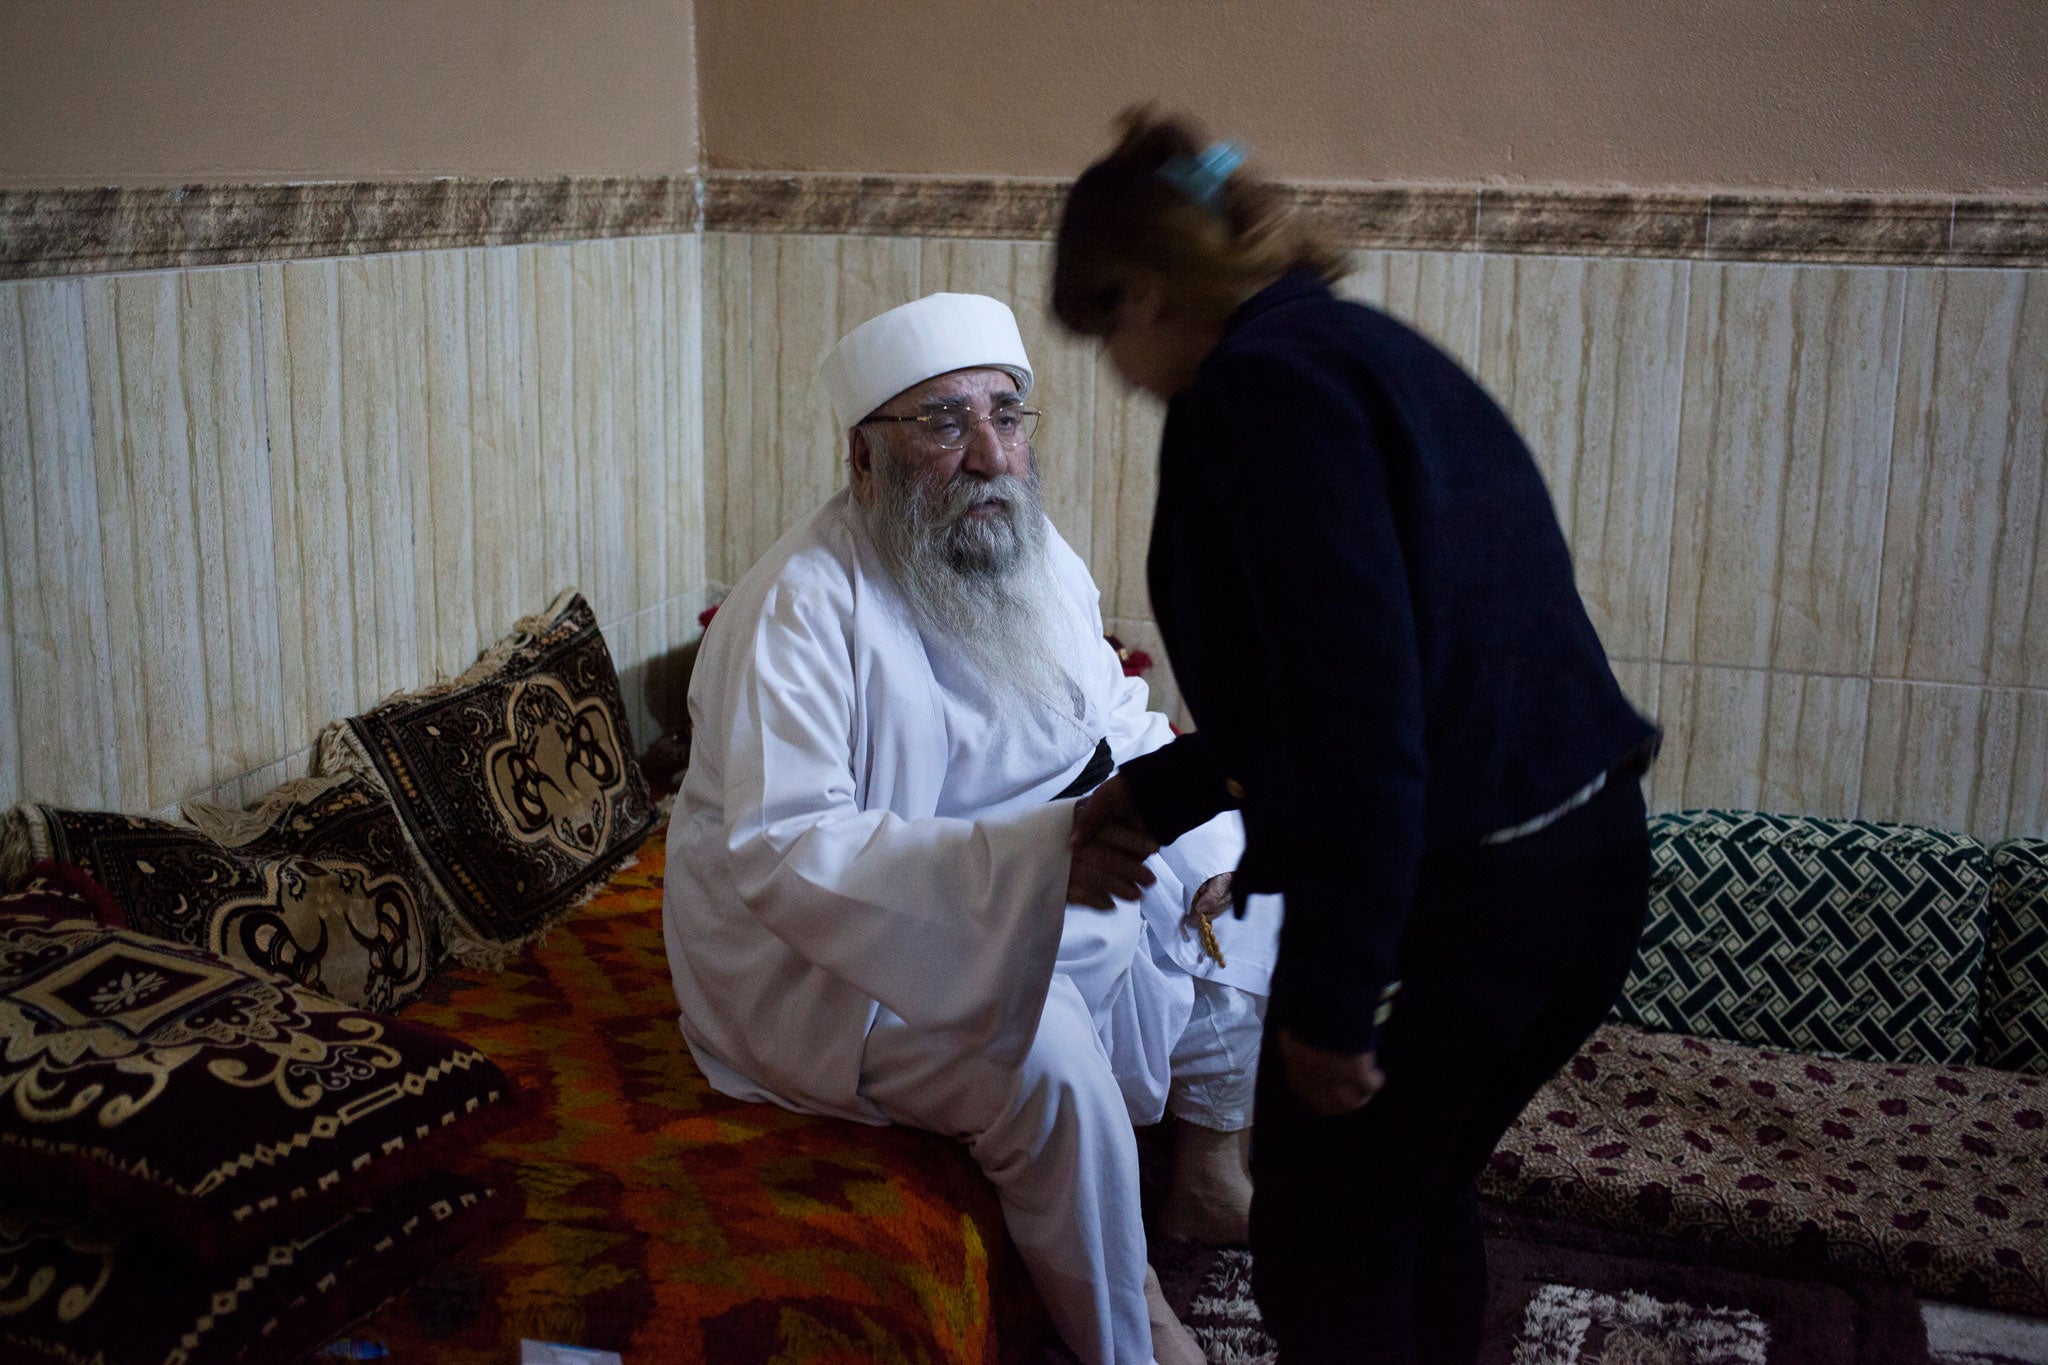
x=515, y=782
x=84, y=1286
x=1934, y=1176
x=2016, y=976
x=315, y=883
x=215, y=1105
x=1825, y=936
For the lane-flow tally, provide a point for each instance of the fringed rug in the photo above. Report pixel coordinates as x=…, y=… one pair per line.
x=1558, y=1305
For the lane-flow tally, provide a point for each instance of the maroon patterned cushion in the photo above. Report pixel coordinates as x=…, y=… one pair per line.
x=515, y=782
x=216, y=1105
x=1934, y=1176
x=83, y=1286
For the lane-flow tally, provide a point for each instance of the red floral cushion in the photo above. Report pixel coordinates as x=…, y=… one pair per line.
x=1934, y=1176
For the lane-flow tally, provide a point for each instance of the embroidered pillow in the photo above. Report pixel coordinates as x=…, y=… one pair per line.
x=515, y=782
x=1831, y=936
x=316, y=883
x=217, y=1106
x=2016, y=976
x=89, y=1287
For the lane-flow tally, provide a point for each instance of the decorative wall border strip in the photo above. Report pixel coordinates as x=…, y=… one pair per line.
x=1839, y=229
x=71, y=231
x=87, y=231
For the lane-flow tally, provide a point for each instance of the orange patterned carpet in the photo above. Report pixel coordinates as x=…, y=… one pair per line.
x=670, y=1223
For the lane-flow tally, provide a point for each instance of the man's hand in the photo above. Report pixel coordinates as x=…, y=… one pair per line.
x=1110, y=848
x=1107, y=806
x=1110, y=867
x=1330, y=1083
x=1213, y=898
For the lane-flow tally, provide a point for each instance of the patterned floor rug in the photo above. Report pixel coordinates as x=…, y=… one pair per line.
x=1559, y=1305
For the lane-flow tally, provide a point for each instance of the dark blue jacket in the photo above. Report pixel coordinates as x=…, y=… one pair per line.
x=1370, y=610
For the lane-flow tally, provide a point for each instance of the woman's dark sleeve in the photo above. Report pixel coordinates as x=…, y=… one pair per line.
x=1177, y=787
x=1292, y=458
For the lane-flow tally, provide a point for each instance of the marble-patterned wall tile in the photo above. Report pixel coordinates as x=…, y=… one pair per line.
x=185, y=533
x=1965, y=596
x=1164, y=693
x=1784, y=457
x=347, y=403
x=547, y=281
x=473, y=474
x=1586, y=356
x=1814, y=727
x=604, y=422
x=806, y=292
x=236, y=552
x=1714, y=748
x=683, y=378
x=257, y=499
x=1924, y=754
x=1128, y=423
x=1063, y=366
x=58, y=739
x=2012, y=781
x=1435, y=292
x=729, y=460
x=1962, y=758
x=617, y=499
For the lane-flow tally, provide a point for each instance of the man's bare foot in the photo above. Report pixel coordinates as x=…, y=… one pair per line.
x=1172, y=1344
x=1210, y=1199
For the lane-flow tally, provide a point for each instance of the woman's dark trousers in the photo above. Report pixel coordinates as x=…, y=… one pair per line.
x=1365, y=1228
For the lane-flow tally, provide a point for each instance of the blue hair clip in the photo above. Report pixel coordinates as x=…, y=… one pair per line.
x=1201, y=178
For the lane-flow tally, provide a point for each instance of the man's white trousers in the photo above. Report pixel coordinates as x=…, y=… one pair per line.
x=1122, y=1028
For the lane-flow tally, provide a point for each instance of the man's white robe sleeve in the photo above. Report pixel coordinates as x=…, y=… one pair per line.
x=1250, y=945
x=949, y=923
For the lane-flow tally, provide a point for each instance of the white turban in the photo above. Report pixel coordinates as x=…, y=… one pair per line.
x=905, y=346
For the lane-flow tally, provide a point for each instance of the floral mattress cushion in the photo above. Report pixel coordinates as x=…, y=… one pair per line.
x=671, y=1223
x=1935, y=1176
x=2016, y=976
x=1840, y=937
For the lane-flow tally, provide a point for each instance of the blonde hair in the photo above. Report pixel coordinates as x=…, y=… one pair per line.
x=1125, y=221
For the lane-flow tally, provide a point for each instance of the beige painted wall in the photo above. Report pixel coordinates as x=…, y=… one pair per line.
x=141, y=92
x=1878, y=95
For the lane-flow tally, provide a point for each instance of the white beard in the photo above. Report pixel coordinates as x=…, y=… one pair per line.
x=983, y=585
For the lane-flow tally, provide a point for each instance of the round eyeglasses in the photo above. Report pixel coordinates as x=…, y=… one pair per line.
x=949, y=427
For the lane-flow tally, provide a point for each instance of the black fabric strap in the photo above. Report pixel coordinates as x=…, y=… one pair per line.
x=1100, y=766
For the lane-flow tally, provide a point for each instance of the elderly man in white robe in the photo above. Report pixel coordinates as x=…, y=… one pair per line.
x=872, y=908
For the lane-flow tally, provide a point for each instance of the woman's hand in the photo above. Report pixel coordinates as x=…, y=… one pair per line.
x=1330, y=1083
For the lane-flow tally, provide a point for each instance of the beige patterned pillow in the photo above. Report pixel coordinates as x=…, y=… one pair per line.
x=515, y=782
x=316, y=883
